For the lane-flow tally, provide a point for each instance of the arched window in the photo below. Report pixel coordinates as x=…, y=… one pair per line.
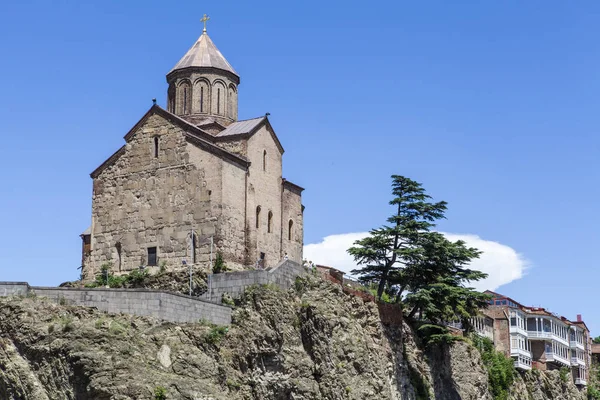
x=257, y=217
x=218, y=101
x=185, y=100
x=264, y=160
x=155, y=146
x=290, y=226
x=201, y=99
x=269, y=222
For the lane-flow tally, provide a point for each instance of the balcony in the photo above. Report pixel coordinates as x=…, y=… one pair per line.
x=553, y=357
x=539, y=335
x=520, y=331
x=523, y=364
x=576, y=345
x=580, y=381
x=577, y=361
x=520, y=352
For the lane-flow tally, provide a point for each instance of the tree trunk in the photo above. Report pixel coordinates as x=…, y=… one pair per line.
x=413, y=312
x=382, y=283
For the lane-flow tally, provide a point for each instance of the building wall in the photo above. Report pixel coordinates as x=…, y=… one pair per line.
x=264, y=190
x=141, y=201
x=292, y=211
x=227, y=207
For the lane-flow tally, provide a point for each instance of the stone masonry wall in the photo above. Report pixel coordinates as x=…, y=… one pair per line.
x=171, y=307
x=264, y=190
x=292, y=211
x=144, y=201
x=234, y=283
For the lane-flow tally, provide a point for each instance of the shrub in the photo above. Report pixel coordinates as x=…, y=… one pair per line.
x=565, y=374
x=216, y=333
x=219, y=265
x=160, y=393
x=227, y=299
x=501, y=369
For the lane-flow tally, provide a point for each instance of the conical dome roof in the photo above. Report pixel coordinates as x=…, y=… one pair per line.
x=204, y=53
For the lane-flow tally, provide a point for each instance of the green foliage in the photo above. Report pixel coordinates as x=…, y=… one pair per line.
x=593, y=393
x=163, y=267
x=219, y=265
x=435, y=334
x=117, y=328
x=596, y=340
x=565, y=374
x=227, y=299
x=232, y=385
x=501, y=369
x=67, y=323
x=406, y=256
x=160, y=393
x=216, y=333
x=106, y=276
x=62, y=301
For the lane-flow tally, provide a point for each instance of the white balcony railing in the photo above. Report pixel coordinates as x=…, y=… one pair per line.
x=520, y=352
x=557, y=358
x=576, y=345
x=577, y=361
x=539, y=335
x=580, y=381
x=546, y=335
x=516, y=329
x=521, y=364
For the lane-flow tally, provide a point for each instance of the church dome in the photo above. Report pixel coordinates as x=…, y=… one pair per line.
x=204, y=54
x=203, y=85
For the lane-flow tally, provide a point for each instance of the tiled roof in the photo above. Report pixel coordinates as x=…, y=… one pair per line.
x=241, y=127
x=204, y=53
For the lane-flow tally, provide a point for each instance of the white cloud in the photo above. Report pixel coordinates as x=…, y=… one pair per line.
x=502, y=263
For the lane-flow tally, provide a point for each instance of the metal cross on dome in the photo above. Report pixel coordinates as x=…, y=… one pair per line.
x=204, y=19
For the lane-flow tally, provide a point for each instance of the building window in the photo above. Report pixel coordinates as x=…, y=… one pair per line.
x=202, y=99
x=193, y=247
x=185, y=96
x=218, y=101
x=155, y=146
x=152, y=259
x=269, y=222
x=290, y=226
x=264, y=160
x=257, y=217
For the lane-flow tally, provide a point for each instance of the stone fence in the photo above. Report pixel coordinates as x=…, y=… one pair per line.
x=173, y=307
x=167, y=306
x=234, y=283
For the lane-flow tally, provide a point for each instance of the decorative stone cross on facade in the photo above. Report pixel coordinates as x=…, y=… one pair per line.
x=204, y=19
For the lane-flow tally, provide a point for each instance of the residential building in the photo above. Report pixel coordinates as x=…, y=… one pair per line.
x=536, y=338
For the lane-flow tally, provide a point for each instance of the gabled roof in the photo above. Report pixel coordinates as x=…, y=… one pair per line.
x=246, y=128
x=193, y=134
x=204, y=53
x=242, y=127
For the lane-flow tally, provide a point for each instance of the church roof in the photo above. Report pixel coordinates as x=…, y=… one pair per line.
x=241, y=127
x=204, y=53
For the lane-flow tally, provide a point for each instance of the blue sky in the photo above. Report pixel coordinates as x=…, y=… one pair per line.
x=493, y=106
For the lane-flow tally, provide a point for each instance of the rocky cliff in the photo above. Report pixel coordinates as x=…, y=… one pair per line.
x=312, y=342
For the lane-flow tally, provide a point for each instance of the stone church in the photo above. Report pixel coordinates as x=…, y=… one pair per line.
x=192, y=180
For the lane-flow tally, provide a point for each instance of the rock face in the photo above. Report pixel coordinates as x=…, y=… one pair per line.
x=312, y=342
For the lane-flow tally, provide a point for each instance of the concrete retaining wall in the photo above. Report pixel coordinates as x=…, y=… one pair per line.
x=13, y=288
x=234, y=283
x=167, y=306
x=171, y=307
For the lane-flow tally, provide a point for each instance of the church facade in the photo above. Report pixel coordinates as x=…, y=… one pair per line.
x=192, y=180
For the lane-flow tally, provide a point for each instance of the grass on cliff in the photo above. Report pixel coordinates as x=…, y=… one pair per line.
x=501, y=369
